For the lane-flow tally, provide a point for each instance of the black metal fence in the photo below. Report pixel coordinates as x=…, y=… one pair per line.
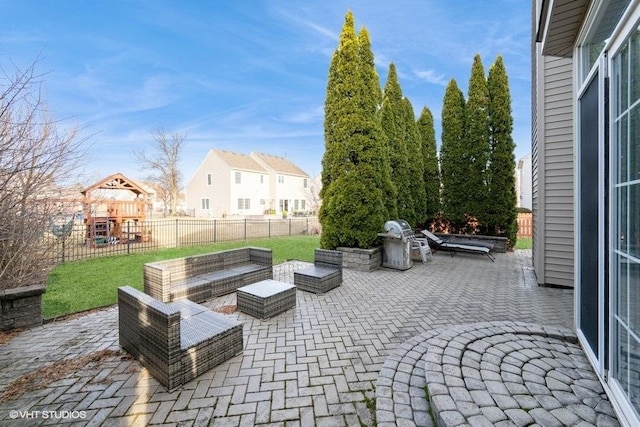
x=81, y=243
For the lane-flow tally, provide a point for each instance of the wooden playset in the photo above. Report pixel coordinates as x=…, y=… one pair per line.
x=115, y=209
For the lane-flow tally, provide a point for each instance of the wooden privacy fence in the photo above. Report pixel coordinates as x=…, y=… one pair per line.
x=525, y=224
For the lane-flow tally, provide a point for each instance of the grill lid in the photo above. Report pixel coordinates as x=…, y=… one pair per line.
x=399, y=228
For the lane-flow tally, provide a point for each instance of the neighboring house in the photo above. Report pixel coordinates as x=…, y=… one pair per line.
x=523, y=182
x=586, y=173
x=229, y=183
x=289, y=185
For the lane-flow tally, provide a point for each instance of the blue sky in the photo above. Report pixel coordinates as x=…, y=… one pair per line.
x=245, y=75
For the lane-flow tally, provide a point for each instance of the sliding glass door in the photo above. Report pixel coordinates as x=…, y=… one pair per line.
x=625, y=239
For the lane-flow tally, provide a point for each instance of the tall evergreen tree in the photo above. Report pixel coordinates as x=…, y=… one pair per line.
x=392, y=120
x=340, y=88
x=416, y=163
x=353, y=206
x=372, y=99
x=431, y=176
x=477, y=147
x=453, y=163
x=502, y=215
x=371, y=81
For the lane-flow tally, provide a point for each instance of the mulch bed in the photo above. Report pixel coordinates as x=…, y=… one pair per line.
x=42, y=377
x=226, y=309
x=5, y=337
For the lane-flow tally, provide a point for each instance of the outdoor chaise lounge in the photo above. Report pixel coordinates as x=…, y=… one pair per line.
x=455, y=247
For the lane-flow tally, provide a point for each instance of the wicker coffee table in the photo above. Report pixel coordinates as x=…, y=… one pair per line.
x=266, y=299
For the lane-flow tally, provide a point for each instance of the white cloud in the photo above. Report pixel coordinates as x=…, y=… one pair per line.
x=313, y=115
x=431, y=76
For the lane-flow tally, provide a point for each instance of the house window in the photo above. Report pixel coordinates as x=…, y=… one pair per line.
x=205, y=204
x=238, y=178
x=295, y=205
x=261, y=179
x=304, y=183
x=208, y=179
x=244, y=204
x=303, y=204
x=280, y=179
x=599, y=34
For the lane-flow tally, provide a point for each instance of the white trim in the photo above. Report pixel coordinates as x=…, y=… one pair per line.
x=613, y=156
x=602, y=280
x=591, y=356
x=624, y=411
x=591, y=20
x=630, y=19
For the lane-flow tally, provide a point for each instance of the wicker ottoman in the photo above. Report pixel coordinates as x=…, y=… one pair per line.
x=266, y=299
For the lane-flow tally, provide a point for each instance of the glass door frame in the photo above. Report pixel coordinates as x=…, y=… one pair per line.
x=599, y=72
x=618, y=40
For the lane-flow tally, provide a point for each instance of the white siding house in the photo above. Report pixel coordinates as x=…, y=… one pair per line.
x=228, y=183
x=523, y=182
x=290, y=185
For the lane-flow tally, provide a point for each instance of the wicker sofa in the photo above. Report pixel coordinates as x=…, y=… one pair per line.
x=202, y=277
x=175, y=341
x=325, y=274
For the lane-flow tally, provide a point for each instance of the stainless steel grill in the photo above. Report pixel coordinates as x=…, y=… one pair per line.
x=397, y=244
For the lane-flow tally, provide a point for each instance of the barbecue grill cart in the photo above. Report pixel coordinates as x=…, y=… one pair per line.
x=397, y=245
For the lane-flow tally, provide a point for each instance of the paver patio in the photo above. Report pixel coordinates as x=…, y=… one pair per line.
x=316, y=364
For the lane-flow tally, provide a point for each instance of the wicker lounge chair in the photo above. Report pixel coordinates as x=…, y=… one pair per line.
x=175, y=341
x=453, y=248
x=325, y=274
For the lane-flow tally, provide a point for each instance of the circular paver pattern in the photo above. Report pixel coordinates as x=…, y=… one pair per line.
x=493, y=374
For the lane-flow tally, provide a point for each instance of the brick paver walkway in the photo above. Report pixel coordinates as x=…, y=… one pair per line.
x=315, y=365
x=499, y=373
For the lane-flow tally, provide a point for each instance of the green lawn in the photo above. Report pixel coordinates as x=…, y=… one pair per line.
x=524, y=243
x=83, y=285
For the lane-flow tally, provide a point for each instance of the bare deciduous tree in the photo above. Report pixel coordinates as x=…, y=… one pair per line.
x=312, y=193
x=162, y=166
x=36, y=159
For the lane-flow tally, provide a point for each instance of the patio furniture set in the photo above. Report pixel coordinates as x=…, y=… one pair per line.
x=177, y=339
x=402, y=245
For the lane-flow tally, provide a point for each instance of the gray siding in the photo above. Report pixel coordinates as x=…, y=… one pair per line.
x=552, y=164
